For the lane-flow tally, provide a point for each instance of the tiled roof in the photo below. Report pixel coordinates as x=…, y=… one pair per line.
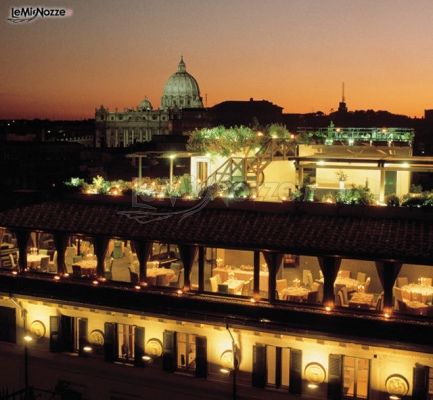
x=316, y=229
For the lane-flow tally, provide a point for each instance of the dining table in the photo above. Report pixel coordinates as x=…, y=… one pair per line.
x=295, y=293
x=362, y=300
x=153, y=273
x=87, y=265
x=234, y=285
x=34, y=260
x=243, y=274
x=350, y=283
x=417, y=292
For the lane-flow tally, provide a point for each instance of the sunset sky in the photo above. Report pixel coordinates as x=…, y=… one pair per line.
x=294, y=53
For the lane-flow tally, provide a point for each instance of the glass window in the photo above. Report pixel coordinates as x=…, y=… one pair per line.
x=125, y=340
x=202, y=171
x=355, y=377
x=186, y=352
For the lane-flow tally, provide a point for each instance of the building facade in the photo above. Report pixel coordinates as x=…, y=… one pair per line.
x=248, y=341
x=140, y=124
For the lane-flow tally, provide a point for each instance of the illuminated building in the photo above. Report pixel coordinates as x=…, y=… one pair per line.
x=309, y=346
x=140, y=124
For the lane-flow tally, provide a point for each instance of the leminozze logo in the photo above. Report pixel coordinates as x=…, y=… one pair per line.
x=30, y=14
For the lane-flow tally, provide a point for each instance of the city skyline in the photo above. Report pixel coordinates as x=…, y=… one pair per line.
x=295, y=54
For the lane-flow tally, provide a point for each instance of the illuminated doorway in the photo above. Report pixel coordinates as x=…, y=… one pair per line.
x=356, y=373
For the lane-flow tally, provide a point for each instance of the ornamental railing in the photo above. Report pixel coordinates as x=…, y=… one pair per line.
x=351, y=136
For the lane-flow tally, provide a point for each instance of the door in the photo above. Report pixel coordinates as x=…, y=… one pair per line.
x=201, y=357
x=7, y=324
x=390, y=182
x=278, y=366
x=67, y=333
x=356, y=372
x=110, y=342
x=169, y=351
x=422, y=383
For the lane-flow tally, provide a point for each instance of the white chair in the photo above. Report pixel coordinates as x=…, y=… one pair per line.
x=213, y=283
x=246, y=288
x=427, y=281
x=52, y=265
x=341, y=300
x=398, y=296
x=307, y=278
x=280, y=285
x=402, y=281
x=361, y=276
x=319, y=291
x=44, y=263
x=120, y=273
x=367, y=284
x=13, y=263
x=345, y=295
x=344, y=273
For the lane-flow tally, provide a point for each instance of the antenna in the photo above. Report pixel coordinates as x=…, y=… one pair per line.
x=342, y=93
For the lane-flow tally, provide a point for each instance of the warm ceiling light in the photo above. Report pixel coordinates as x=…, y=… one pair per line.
x=66, y=275
x=179, y=291
x=146, y=358
x=172, y=156
x=14, y=273
x=252, y=300
x=27, y=338
x=95, y=282
x=328, y=308
x=405, y=165
x=138, y=287
x=87, y=349
x=225, y=371
x=56, y=277
x=312, y=386
x=320, y=162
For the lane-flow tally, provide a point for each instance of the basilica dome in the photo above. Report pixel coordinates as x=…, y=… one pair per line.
x=181, y=90
x=145, y=105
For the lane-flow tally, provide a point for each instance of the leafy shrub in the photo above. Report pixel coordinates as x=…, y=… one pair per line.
x=392, y=201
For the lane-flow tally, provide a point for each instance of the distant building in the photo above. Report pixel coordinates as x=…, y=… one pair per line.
x=140, y=124
x=252, y=112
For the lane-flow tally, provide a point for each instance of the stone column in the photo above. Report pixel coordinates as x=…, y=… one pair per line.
x=143, y=250
x=273, y=259
x=201, y=252
x=388, y=272
x=61, y=242
x=22, y=236
x=256, y=281
x=382, y=182
x=101, y=244
x=329, y=267
x=187, y=254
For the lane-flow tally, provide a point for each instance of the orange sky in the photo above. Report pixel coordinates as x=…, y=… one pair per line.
x=293, y=53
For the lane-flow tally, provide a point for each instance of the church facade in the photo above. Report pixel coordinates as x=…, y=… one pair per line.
x=140, y=124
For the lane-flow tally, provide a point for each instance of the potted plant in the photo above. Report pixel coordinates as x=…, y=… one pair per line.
x=342, y=177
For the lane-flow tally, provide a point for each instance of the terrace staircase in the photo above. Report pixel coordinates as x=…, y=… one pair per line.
x=250, y=169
